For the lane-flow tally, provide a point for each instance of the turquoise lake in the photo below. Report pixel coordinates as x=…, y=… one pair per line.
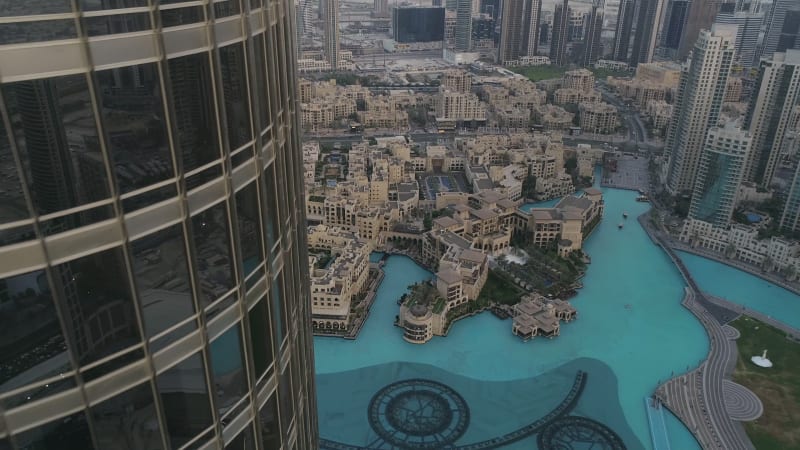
x=745, y=289
x=629, y=319
x=631, y=334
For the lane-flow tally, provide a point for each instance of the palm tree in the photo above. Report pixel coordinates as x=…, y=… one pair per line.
x=730, y=251
x=767, y=265
x=789, y=272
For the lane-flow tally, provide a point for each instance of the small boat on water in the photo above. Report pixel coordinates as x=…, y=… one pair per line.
x=642, y=198
x=620, y=225
x=625, y=215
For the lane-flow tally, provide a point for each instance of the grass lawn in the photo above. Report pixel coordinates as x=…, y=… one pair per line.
x=539, y=73
x=500, y=290
x=777, y=387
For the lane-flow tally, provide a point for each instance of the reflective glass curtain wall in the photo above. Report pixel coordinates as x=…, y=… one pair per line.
x=152, y=272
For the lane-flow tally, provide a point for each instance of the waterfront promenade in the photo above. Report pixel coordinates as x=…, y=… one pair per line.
x=772, y=277
x=697, y=398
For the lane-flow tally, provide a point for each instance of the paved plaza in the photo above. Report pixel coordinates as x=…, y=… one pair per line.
x=631, y=174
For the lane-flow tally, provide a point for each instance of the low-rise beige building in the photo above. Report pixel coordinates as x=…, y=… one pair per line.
x=334, y=287
x=659, y=113
x=565, y=96
x=598, y=118
x=581, y=79
x=511, y=117
x=552, y=117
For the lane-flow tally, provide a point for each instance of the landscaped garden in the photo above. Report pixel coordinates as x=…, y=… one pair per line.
x=777, y=387
x=539, y=73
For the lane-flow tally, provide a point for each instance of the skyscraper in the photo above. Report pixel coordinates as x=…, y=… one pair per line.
x=519, y=29
x=778, y=91
x=790, y=34
x=701, y=16
x=591, y=42
x=674, y=24
x=380, y=8
x=304, y=14
x=152, y=269
x=698, y=104
x=558, y=44
x=774, y=25
x=719, y=175
x=331, y=17
x=463, y=31
x=790, y=218
x=533, y=16
x=646, y=35
x=749, y=25
x=622, y=33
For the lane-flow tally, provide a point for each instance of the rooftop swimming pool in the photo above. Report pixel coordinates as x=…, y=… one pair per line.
x=630, y=334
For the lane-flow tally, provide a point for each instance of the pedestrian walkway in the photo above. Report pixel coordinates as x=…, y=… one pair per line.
x=658, y=425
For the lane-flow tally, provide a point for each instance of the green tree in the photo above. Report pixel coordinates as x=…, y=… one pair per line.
x=529, y=186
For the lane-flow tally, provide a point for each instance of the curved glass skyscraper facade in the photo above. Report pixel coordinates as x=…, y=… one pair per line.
x=152, y=251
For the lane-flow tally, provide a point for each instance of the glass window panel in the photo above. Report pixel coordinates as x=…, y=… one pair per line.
x=272, y=214
x=133, y=116
x=67, y=433
x=270, y=429
x=4, y=444
x=255, y=4
x=13, y=206
x=226, y=8
x=39, y=31
x=260, y=337
x=212, y=251
x=14, y=235
x=254, y=277
x=117, y=23
x=10, y=8
x=93, y=5
x=150, y=197
x=162, y=280
x=65, y=222
x=221, y=305
x=181, y=16
x=277, y=313
x=184, y=396
x=202, y=442
x=97, y=305
x=244, y=441
x=261, y=91
x=54, y=128
x=234, y=89
x=41, y=389
x=127, y=421
x=249, y=223
x=242, y=156
x=118, y=361
x=195, y=119
x=282, y=189
x=287, y=401
x=204, y=176
x=230, y=381
x=32, y=347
